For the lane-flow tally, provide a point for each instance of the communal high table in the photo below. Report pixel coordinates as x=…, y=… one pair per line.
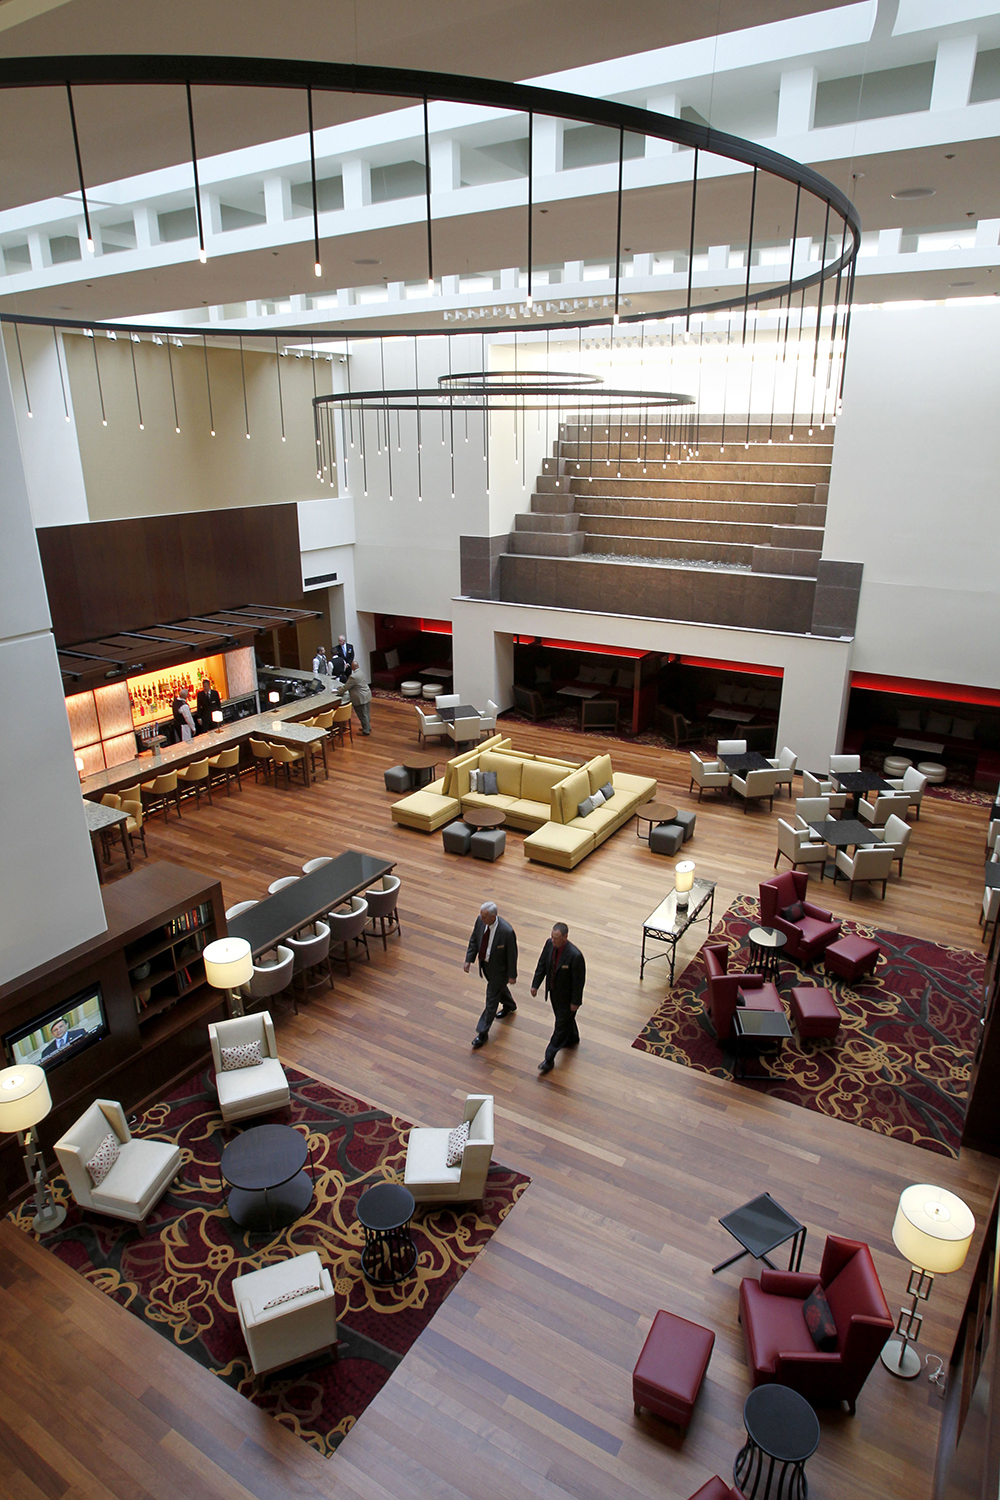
x=283, y=914
x=100, y=821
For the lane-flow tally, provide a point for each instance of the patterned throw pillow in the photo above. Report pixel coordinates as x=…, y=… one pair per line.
x=247, y=1055
x=300, y=1291
x=793, y=913
x=488, y=783
x=103, y=1159
x=819, y=1321
x=456, y=1144
x=608, y=790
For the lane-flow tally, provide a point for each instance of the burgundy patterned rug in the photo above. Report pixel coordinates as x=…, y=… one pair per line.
x=178, y=1276
x=900, y=1065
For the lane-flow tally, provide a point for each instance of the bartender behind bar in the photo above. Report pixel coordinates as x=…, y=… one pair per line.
x=207, y=701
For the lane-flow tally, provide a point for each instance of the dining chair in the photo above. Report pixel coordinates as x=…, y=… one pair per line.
x=316, y=864
x=134, y=826
x=272, y=976
x=383, y=900
x=279, y=885
x=197, y=776
x=844, y=763
x=463, y=730
x=784, y=764
x=885, y=806
x=311, y=947
x=347, y=927
x=262, y=759
x=284, y=755
x=754, y=786
x=895, y=835
x=800, y=846
x=226, y=766
x=447, y=700
x=819, y=786
x=707, y=775
x=241, y=906
x=873, y=864
x=429, y=726
x=731, y=747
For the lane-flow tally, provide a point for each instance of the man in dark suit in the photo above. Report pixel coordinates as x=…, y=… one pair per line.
x=62, y=1039
x=494, y=944
x=561, y=965
x=342, y=660
x=207, y=702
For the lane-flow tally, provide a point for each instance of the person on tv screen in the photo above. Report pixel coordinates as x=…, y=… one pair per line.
x=62, y=1038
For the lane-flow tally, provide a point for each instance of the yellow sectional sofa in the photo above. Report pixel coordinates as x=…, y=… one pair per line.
x=540, y=794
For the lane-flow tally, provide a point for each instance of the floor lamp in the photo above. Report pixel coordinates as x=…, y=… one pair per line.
x=24, y=1102
x=228, y=964
x=933, y=1229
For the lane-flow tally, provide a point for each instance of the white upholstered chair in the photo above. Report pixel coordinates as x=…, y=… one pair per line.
x=447, y=700
x=271, y=976
x=279, y=885
x=895, y=835
x=139, y=1177
x=815, y=786
x=912, y=782
x=812, y=809
x=731, y=747
x=785, y=765
x=280, y=1329
x=844, y=763
x=248, y=1091
x=316, y=864
x=488, y=720
x=885, y=806
x=383, y=907
x=991, y=908
x=429, y=726
x=707, y=775
x=800, y=846
x=463, y=730
x=241, y=906
x=867, y=864
x=755, y=785
x=427, y=1176
x=347, y=927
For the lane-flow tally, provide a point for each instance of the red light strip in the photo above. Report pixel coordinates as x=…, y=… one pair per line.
x=915, y=687
x=733, y=666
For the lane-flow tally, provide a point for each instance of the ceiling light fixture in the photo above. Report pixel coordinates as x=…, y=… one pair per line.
x=202, y=253
x=910, y=195
x=318, y=268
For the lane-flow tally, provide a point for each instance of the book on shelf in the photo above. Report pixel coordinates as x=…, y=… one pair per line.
x=189, y=921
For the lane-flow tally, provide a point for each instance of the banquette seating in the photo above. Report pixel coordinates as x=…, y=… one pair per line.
x=539, y=794
x=810, y=930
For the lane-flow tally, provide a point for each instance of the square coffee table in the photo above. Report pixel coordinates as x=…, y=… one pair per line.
x=760, y=1226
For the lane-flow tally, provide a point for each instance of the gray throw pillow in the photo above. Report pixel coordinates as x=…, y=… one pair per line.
x=586, y=807
x=488, y=783
x=608, y=791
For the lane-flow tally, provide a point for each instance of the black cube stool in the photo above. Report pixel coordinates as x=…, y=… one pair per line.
x=456, y=838
x=686, y=820
x=488, y=843
x=666, y=838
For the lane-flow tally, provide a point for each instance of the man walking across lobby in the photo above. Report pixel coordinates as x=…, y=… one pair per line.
x=561, y=965
x=494, y=944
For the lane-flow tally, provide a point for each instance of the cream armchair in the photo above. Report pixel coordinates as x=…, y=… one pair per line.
x=731, y=747
x=800, y=847
x=895, y=834
x=426, y=1175
x=844, y=763
x=248, y=1091
x=707, y=775
x=785, y=765
x=867, y=865
x=912, y=782
x=816, y=786
x=755, y=786
x=280, y=1329
x=885, y=806
x=140, y=1176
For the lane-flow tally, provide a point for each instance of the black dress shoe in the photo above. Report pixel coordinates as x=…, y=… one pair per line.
x=545, y=1067
x=510, y=1011
x=478, y=1041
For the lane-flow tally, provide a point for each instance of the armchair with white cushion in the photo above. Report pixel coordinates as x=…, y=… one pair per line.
x=800, y=846
x=731, y=747
x=427, y=1174
x=139, y=1173
x=755, y=786
x=464, y=730
x=811, y=810
x=287, y=1312
x=873, y=864
x=842, y=763
x=254, y=1088
x=885, y=806
x=819, y=786
x=429, y=726
x=707, y=775
x=912, y=782
x=447, y=700
x=488, y=720
x=784, y=764
x=895, y=835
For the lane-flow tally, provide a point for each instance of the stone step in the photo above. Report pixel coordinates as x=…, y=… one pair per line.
x=595, y=502
x=690, y=529
x=673, y=487
x=810, y=515
x=654, y=466
x=547, y=543
x=731, y=554
x=707, y=432
x=797, y=536
x=559, y=503
x=794, y=562
x=534, y=521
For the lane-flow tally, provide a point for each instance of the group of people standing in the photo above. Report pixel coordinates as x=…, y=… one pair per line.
x=560, y=968
x=342, y=665
x=188, y=724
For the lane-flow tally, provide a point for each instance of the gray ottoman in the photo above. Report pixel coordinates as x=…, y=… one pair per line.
x=398, y=779
x=456, y=838
x=666, y=838
x=488, y=843
x=686, y=820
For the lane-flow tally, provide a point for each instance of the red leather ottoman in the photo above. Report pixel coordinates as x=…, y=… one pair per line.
x=814, y=1012
x=850, y=957
x=717, y=1489
x=669, y=1371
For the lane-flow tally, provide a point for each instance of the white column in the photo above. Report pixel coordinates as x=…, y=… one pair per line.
x=662, y=104
x=357, y=183
x=573, y=272
x=147, y=227
x=510, y=279
x=446, y=165
x=38, y=249
x=547, y=145
x=718, y=257
x=211, y=213
x=954, y=66
x=277, y=199
x=797, y=101
x=987, y=234
x=42, y=808
x=890, y=241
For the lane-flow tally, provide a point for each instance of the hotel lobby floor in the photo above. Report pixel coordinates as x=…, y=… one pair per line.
x=521, y=1385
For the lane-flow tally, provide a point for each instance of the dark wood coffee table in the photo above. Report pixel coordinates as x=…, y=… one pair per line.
x=654, y=812
x=483, y=817
x=269, y=1189
x=419, y=763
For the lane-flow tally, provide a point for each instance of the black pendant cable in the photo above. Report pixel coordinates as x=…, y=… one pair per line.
x=416, y=392
x=62, y=383
x=388, y=441
x=24, y=378
x=618, y=240
x=819, y=320
x=243, y=377
x=795, y=387
x=133, y=340
x=828, y=386
x=79, y=169
x=427, y=193
x=315, y=196
x=312, y=360
x=202, y=253
x=694, y=210
x=451, y=421
x=173, y=388
x=486, y=413
x=281, y=403
x=208, y=387
x=746, y=298
x=531, y=153
x=725, y=385
x=97, y=371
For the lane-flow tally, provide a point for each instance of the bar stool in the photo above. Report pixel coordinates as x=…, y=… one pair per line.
x=279, y=885
x=347, y=927
x=227, y=766
x=234, y=911
x=272, y=977
x=110, y=799
x=284, y=755
x=382, y=902
x=160, y=790
x=316, y=864
x=134, y=825
x=340, y=722
x=311, y=947
x=198, y=778
x=262, y=759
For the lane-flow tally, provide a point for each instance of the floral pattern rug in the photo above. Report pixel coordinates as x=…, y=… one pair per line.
x=178, y=1276
x=900, y=1064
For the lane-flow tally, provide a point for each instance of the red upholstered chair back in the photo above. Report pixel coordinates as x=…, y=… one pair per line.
x=723, y=989
x=783, y=890
x=858, y=1305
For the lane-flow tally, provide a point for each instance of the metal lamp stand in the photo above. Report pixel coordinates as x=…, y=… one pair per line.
x=48, y=1214
x=897, y=1355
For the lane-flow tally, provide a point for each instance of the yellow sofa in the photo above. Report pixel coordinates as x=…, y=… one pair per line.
x=538, y=793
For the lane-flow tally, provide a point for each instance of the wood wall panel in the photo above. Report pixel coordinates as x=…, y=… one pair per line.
x=124, y=575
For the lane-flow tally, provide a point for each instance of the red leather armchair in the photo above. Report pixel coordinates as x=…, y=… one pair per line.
x=717, y=1489
x=778, y=1344
x=724, y=991
x=813, y=932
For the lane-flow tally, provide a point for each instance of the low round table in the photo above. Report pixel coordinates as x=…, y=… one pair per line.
x=264, y=1168
x=384, y=1212
x=654, y=812
x=418, y=764
x=483, y=817
x=782, y=1432
x=766, y=944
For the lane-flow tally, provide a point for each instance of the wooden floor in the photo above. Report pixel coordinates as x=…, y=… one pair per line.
x=521, y=1385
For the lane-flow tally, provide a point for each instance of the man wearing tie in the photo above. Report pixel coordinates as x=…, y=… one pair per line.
x=561, y=965
x=62, y=1039
x=342, y=659
x=494, y=944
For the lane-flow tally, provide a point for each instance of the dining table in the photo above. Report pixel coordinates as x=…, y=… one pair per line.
x=100, y=821
x=843, y=833
x=265, y=924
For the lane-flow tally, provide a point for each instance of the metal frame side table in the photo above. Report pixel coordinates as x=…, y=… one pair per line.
x=668, y=923
x=760, y=1226
x=766, y=944
x=384, y=1213
x=782, y=1433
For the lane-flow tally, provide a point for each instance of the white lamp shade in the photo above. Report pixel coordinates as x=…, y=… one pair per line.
x=684, y=874
x=274, y=697
x=79, y=762
x=217, y=716
x=24, y=1097
x=228, y=963
x=933, y=1228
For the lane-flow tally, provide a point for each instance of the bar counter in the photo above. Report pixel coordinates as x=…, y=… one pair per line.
x=260, y=726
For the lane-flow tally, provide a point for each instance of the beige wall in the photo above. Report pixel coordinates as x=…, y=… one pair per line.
x=128, y=472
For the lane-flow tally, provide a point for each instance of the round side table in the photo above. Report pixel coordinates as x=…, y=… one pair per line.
x=782, y=1432
x=766, y=944
x=384, y=1212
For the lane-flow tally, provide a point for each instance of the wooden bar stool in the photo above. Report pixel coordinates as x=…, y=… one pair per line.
x=197, y=777
x=160, y=791
x=226, y=767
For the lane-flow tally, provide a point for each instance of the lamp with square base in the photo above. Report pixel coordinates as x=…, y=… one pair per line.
x=933, y=1230
x=24, y=1102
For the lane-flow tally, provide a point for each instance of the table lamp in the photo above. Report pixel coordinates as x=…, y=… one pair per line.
x=216, y=715
x=933, y=1229
x=683, y=881
x=24, y=1101
x=228, y=964
x=79, y=766
x=274, y=697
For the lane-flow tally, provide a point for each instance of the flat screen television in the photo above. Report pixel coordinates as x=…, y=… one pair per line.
x=60, y=1033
